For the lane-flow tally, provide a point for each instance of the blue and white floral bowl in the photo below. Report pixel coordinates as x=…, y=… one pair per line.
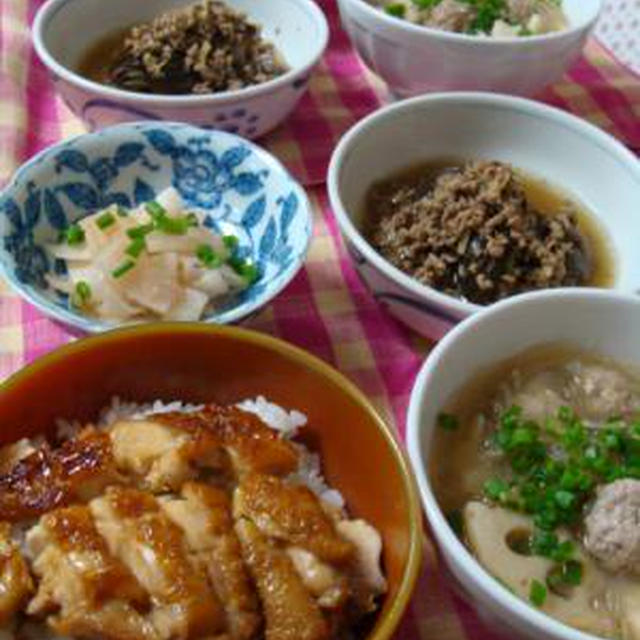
x=64, y=29
x=246, y=190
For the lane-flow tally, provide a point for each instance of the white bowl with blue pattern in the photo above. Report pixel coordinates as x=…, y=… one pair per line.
x=64, y=30
x=244, y=189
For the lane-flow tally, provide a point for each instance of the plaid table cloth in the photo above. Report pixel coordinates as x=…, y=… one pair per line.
x=325, y=309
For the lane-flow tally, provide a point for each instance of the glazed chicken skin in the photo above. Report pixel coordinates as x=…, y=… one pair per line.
x=48, y=478
x=15, y=580
x=290, y=513
x=87, y=591
x=204, y=515
x=152, y=547
x=179, y=526
x=290, y=610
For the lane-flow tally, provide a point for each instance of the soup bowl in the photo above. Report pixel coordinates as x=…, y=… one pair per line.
x=63, y=30
x=243, y=190
x=413, y=59
x=198, y=364
x=542, y=141
x=601, y=322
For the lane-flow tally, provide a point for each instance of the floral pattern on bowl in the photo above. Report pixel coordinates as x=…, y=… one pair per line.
x=241, y=187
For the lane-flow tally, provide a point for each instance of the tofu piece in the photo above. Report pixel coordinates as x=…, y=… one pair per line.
x=160, y=456
x=87, y=591
x=15, y=580
x=290, y=610
x=204, y=515
x=49, y=478
x=153, y=548
x=293, y=514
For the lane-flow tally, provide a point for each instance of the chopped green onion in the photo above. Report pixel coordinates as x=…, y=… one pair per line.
x=245, y=269
x=141, y=231
x=121, y=211
x=426, y=4
x=81, y=294
x=448, y=422
x=135, y=248
x=207, y=256
x=155, y=209
x=119, y=271
x=396, y=9
x=74, y=234
x=495, y=488
x=231, y=242
x=537, y=593
x=173, y=226
x=572, y=571
x=105, y=220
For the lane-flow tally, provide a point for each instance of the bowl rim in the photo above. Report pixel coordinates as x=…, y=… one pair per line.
x=95, y=325
x=49, y=9
x=457, y=307
x=475, y=574
x=375, y=13
x=385, y=624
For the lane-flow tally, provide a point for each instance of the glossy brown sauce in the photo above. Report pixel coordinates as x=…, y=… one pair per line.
x=100, y=57
x=547, y=199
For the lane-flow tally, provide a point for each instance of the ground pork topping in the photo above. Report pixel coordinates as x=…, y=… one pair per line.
x=204, y=48
x=471, y=233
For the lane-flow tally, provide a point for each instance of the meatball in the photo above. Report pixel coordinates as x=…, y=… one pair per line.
x=540, y=396
x=519, y=11
x=602, y=392
x=452, y=15
x=612, y=527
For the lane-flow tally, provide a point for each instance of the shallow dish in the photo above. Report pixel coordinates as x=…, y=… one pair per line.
x=541, y=141
x=601, y=322
x=64, y=29
x=247, y=192
x=197, y=363
x=413, y=59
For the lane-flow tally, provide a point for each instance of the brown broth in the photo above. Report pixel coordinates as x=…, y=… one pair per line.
x=99, y=57
x=459, y=463
x=542, y=196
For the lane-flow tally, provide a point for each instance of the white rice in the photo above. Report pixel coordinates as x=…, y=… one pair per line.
x=287, y=422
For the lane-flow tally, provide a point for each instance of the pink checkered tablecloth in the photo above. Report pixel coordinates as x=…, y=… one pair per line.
x=325, y=309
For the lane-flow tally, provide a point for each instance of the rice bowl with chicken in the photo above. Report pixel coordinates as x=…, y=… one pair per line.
x=170, y=520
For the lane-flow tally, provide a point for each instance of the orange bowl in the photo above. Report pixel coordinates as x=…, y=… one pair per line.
x=199, y=363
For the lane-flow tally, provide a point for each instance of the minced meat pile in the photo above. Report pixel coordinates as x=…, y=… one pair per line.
x=470, y=232
x=206, y=47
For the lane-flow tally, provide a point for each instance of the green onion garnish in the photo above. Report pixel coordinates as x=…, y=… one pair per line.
x=141, y=231
x=105, y=220
x=537, y=593
x=135, y=248
x=74, y=234
x=173, y=226
x=231, y=242
x=155, y=209
x=207, y=256
x=81, y=294
x=245, y=269
x=119, y=271
x=447, y=421
x=396, y=9
x=121, y=211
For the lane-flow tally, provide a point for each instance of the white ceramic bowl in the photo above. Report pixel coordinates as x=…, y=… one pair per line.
x=64, y=29
x=588, y=164
x=413, y=59
x=604, y=322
